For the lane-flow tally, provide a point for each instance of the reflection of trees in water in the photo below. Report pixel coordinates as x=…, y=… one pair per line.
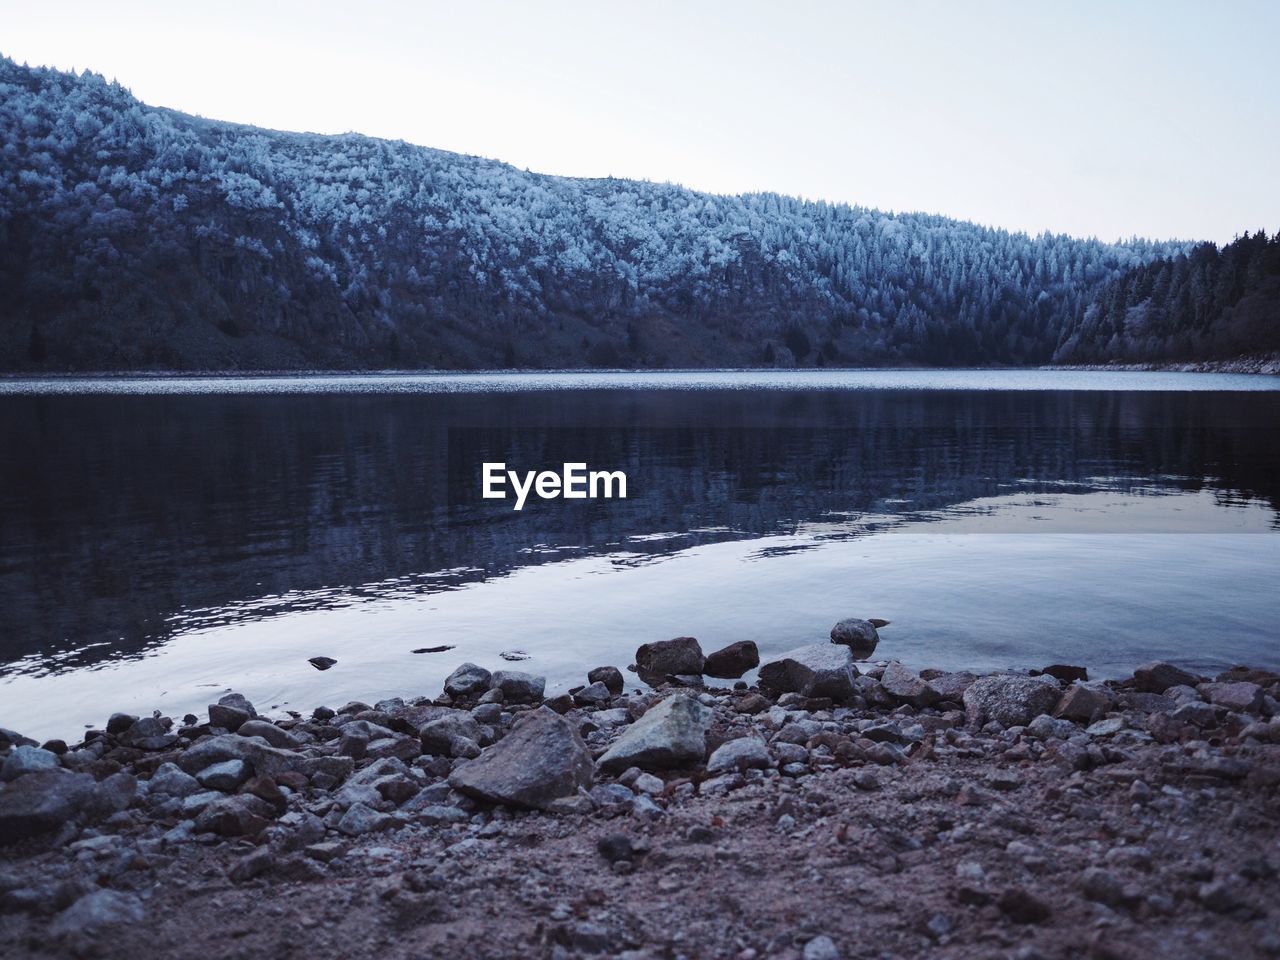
x=118, y=512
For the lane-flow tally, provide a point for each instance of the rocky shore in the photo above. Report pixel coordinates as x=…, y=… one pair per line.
x=833, y=808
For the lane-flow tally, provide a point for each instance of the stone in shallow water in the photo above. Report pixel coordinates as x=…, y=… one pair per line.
x=732, y=661
x=1157, y=677
x=468, y=680
x=518, y=687
x=681, y=656
x=860, y=636
x=611, y=677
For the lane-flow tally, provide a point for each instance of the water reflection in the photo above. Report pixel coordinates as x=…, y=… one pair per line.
x=127, y=519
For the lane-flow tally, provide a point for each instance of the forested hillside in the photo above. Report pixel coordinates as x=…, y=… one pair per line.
x=1207, y=304
x=137, y=237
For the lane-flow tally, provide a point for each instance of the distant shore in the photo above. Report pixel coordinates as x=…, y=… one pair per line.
x=1019, y=815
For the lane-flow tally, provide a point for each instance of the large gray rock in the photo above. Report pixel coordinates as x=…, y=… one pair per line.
x=1157, y=677
x=611, y=677
x=672, y=733
x=225, y=776
x=149, y=733
x=518, y=687
x=240, y=815
x=23, y=760
x=1010, y=700
x=679, y=657
x=96, y=911
x=439, y=737
x=1242, y=697
x=266, y=760
x=231, y=711
x=732, y=661
x=1083, y=703
x=41, y=802
x=469, y=680
x=816, y=670
x=741, y=754
x=860, y=636
x=540, y=760
x=951, y=686
x=906, y=685
x=276, y=736
x=170, y=781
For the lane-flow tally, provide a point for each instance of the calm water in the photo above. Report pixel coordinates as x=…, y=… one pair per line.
x=164, y=539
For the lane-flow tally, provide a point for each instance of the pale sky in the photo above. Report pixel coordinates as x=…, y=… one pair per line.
x=1158, y=119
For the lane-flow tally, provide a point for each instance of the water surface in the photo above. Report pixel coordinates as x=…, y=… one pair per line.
x=164, y=539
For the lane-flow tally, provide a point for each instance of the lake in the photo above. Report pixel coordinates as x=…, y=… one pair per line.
x=165, y=539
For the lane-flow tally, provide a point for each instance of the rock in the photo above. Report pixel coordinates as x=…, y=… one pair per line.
x=1045, y=727
x=752, y=703
x=439, y=737
x=1102, y=886
x=1157, y=677
x=1010, y=700
x=23, y=760
x=1221, y=896
x=149, y=733
x=488, y=714
x=118, y=723
x=1196, y=712
x=514, y=656
x=95, y=912
x=1082, y=703
x=611, y=677
x=541, y=759
x=518, y=687
x=732, y=661
x=251, y=865
x=593, y=695
x=225, y=776
x=745, y=753
x=361, y=819
x=1021, y=906
x=950, y=686
x=276, y=736
x=671, y=733
x=41, y=802
x=170, y=781
x=322, y=663
x=241, y=815
x=905, y=685
x=821, y=948
x=265, y=759
x=664, y=658
x=231, y=711
x=859, y=636
x=866, y=780
x=648, y=784
x=468, y=680
x=1065, y=672
x=816, y=670
x=1105, y=728
x=325, y=852
x=615, y=847
x=111, y=795
x=1241, y=697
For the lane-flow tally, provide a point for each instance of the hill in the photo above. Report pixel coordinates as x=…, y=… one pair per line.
x=133, y=237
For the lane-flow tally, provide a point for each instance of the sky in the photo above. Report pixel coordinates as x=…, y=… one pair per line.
x=1157, y=119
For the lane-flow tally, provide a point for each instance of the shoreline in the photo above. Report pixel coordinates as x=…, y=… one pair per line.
x=1002, y=814
x=1262, y=365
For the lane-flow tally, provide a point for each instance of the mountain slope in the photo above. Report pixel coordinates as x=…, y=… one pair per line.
x=137, y=237
x=1207, y=304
